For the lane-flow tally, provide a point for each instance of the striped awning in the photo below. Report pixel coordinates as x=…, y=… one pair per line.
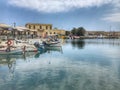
x=5, y=27
x=21, y=28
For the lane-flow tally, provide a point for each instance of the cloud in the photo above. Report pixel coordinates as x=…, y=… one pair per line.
x=114, y=14
x=114, y=17
x=52, y=6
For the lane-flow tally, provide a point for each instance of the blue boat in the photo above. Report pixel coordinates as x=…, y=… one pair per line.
x=40, y=47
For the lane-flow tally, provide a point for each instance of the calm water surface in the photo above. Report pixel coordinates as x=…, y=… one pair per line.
x=78, y=65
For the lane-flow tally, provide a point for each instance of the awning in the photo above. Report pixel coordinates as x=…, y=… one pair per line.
x=33, y=30
x=5, y=27
x=21, y=28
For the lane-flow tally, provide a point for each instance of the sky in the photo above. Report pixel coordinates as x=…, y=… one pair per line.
x=93, y=15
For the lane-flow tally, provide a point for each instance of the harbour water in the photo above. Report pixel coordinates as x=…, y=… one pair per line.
x=91, y=64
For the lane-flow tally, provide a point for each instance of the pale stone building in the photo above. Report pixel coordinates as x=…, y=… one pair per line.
x=44, y=29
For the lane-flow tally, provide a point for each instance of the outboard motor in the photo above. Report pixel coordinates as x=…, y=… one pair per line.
x=44, y=43
x=36, y=44
x=8, y=49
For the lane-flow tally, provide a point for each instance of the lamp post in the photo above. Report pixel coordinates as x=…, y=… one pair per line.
x=14, y=25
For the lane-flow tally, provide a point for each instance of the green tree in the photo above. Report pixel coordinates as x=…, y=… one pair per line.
x=78, y=31
x=73, y=31
x=67, y=33
x=81, y=31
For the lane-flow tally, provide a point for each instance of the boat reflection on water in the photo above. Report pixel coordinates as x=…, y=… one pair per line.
x=92, y=66
x=54, y=49
x=49, y=50
x=16, y=56
x=10, y=60
x=40, y=52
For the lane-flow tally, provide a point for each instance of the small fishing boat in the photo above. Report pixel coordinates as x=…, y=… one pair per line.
x=40, y=47
x=28, y=47
x=47, y=44
x=52, y=43
x=10, y=50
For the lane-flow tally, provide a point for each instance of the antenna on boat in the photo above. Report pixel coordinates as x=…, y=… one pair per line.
x=14, y=24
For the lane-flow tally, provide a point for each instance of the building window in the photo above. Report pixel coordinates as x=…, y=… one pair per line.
x=40, y=27
x=34, y=27
x=34, y=32
x=11, y=32
x=29, y=27
x=46, y=27
x=50, y=32
x=50, y=27
x=18, y=32
x=46, y=32
x=24, y=33
x=54, y=33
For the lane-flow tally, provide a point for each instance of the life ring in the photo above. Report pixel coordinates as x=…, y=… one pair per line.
x=9, y=42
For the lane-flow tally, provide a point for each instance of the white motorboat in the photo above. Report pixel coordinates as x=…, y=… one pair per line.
x=22, y=44
x=15, y=47
x=11, y=50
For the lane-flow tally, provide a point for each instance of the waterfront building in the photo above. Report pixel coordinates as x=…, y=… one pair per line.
x=24, y=32
x=95, y=33
x=44, y=29
x=103, y=34
x=7, y=31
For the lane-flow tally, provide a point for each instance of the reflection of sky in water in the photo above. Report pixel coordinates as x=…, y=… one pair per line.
x=79, y=67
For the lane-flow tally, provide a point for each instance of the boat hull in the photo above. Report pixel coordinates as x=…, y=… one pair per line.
x=16, y=52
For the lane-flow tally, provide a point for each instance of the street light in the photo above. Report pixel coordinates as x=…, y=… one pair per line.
x=14, y=25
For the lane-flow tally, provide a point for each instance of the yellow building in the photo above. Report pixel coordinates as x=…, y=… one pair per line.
x=44, y=29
